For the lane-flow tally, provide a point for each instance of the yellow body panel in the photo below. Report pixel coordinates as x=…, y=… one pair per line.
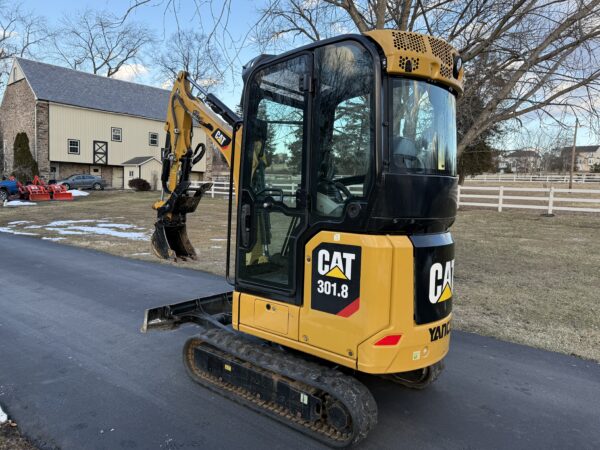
x=269, y=315
x=342, y=335
x=386, y=308
x=428, y=57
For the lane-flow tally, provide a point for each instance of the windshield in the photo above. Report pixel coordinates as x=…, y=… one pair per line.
x=423, y=128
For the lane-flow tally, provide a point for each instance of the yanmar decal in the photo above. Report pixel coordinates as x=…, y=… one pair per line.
x=336, y=279
x=439, y=332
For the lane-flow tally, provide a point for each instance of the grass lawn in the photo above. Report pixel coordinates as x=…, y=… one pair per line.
x=11, y=439
x=519, y=276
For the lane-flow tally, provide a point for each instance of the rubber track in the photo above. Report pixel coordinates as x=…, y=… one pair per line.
x=357, y=399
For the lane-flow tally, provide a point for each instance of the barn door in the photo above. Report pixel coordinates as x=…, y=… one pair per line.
x=100, y=152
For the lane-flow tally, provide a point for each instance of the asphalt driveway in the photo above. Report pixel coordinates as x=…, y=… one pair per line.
x=76, y=373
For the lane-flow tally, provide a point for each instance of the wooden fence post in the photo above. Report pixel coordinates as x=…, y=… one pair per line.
x=550, y=201
x=212, y=191
x=500, y=197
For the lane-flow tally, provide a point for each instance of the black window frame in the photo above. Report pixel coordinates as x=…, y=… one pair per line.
x=112, y=136
x=69, y=152
x=150, y=134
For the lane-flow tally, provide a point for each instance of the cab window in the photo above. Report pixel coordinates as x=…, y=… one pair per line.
x=345, y=133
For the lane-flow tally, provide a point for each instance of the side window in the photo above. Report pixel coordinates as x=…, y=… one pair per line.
x=344, y=150
x=116, y=134
x=73, y=146
x=275, y=138
x=278, y=158
x=272, y=180
x=153, y=139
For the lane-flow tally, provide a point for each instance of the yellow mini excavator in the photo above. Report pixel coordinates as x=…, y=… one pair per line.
x=343, y=170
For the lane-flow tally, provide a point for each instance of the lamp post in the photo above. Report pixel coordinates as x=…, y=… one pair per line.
x=573, y=154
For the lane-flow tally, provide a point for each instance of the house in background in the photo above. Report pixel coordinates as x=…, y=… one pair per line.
x=83, y=123
x=145, y=167
x=521, y=161
x=586, y=156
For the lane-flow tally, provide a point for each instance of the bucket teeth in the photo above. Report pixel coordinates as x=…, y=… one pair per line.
x=160, y=245
x=170, y=239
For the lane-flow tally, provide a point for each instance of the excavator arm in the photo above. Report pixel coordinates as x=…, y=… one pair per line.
x=179, y=197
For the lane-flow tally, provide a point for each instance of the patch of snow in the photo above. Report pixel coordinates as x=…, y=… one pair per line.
x=11, y=231
x=78, y=193
x=45, y=238
x=62, y=223
x=120, y=226
x=19, y=222
x=218, y=240
x=65, y=231
x=15, y=203
x=139, y=254
x=33, y=227
x=79, y=230
x=216, y=246
x=3, y=416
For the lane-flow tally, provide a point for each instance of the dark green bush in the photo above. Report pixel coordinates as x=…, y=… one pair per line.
x=25, y=167
x=139, y=184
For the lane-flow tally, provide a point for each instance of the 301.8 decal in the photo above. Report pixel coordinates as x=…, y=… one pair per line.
x=331, y=288
x=336, y=279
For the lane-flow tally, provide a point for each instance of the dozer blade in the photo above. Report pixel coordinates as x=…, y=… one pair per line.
x=170, y=239
x=41, y=197
x=62, y=196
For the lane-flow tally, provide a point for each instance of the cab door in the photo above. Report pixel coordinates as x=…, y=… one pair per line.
x=272, y=211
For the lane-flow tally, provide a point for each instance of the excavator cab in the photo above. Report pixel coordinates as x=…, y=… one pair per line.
x=332, y=142
x=344, y=173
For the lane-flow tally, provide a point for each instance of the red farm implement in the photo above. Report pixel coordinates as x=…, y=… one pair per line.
x=37, y=191
x=59, y=192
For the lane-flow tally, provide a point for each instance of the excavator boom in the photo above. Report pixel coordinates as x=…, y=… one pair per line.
x=185, y=111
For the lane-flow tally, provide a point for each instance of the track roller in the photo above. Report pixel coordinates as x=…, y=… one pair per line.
x=321, y=402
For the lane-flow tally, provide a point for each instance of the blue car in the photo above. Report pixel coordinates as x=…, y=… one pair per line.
x=8, y=188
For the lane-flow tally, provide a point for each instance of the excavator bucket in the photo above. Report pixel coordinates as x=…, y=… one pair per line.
x=170, y=239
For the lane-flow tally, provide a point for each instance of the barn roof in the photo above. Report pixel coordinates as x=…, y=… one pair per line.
x=138, y=160
x=72, y=87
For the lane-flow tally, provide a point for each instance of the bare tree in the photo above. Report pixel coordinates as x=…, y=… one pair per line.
x=21, y=32
x=101, y=42
x=192, y=52
x=523, y=57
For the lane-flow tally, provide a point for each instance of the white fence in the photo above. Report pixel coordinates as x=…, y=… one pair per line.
x=502, y=197
x=518, y=178
x=287, y=188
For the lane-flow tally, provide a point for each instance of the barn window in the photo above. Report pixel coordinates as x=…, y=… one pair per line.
x=73, y=146
x=116, y=134
x=153, y=139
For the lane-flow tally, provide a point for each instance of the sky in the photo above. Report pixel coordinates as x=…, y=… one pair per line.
x=242, y=17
